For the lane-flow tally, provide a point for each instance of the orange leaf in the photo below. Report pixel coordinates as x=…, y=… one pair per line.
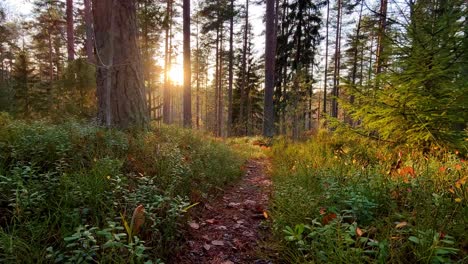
x=406, y=171
x=458, y=167
x=442, y=169
x=359, y=232
x=138, y=218
x=328, y=218
x=265, y=214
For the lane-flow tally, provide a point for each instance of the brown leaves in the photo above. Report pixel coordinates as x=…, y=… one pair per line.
x=328, y=218
x=138, y=219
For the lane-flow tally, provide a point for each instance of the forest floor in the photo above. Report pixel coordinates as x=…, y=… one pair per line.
x=228, y=229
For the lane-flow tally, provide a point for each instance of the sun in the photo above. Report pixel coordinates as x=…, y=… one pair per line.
x=176, y=75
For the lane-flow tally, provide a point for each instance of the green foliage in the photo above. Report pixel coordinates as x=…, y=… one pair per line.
x=68, y=192
x=422, y=100
x=353, y=201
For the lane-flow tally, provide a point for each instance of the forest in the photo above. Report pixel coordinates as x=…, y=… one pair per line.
x=233, y=131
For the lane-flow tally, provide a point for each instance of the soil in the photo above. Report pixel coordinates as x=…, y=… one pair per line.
x=229, y=228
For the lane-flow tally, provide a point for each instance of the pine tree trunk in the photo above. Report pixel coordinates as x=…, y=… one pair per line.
x=167, y=66
x=70, y=31
x=270, y=50
x=120, y=88
x=187, y=66
x=89, y=43
x=381, y=36
x=244, y=70
x=216, y=106
x=220, y=86
x=326, y=61
x=231, y=71
x=336, y=74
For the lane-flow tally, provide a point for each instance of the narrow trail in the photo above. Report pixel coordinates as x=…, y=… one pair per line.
x=228, y=229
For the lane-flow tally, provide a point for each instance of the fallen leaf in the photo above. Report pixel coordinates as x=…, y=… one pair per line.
x=138, y=219
x=328, y=218
x=217, y=243
x=265, y=214
x=206, y=247
x=401, y=224
x=359, y=232
x=194, y=225
x=210, y=221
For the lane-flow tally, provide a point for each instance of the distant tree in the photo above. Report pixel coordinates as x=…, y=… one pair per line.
x=70, y=31
x=187, y=99
x=270, y=50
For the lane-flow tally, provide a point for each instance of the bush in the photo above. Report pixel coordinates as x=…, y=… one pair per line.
x=338, y=201
x=75, y=192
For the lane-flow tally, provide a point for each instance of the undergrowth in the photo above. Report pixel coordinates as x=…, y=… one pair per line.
x=355, y=201
x=76, y=193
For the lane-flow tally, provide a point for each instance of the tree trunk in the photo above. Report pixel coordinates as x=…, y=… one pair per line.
x=270, y=50
x=326, y=61
x=381, y=36
x=231, y=72
x=220, y=86
x=120, y=88
x=167, y=63
x=89, y=44
x=244, y=70
x=187, y=68
x=336, y=74
x=70, y=31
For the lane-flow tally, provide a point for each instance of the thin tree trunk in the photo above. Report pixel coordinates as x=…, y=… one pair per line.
x=326, y=61
x=70, y=31
x=244, y=69
x=216, y=106
x=89, y=44
x=381, y=36
x=231, y=71
x=336, y=73
x=187, y=68
x=197, y=122
x=167, y=66
x=220, y=87
x=270, y=50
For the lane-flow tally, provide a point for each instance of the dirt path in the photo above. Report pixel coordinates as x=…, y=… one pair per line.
x=229, y=227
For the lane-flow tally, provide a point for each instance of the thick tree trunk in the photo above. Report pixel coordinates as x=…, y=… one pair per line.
x=70, y=31
x=270, y=50
x=231, y=71
x=187, y=68
x=120, y=88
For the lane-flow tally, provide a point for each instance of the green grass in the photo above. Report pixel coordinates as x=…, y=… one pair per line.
x=338, y=201
x=68, y=191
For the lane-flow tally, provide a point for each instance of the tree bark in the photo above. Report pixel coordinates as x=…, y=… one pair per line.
x=270, y=50
x=120, y=88
x=336, y=74
x=231, y=66
x=167, y=63
x=89, y=44
x=187, y=68
x=326, y=61
x=244, y=70
x=70, y=31
x=381, y=36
